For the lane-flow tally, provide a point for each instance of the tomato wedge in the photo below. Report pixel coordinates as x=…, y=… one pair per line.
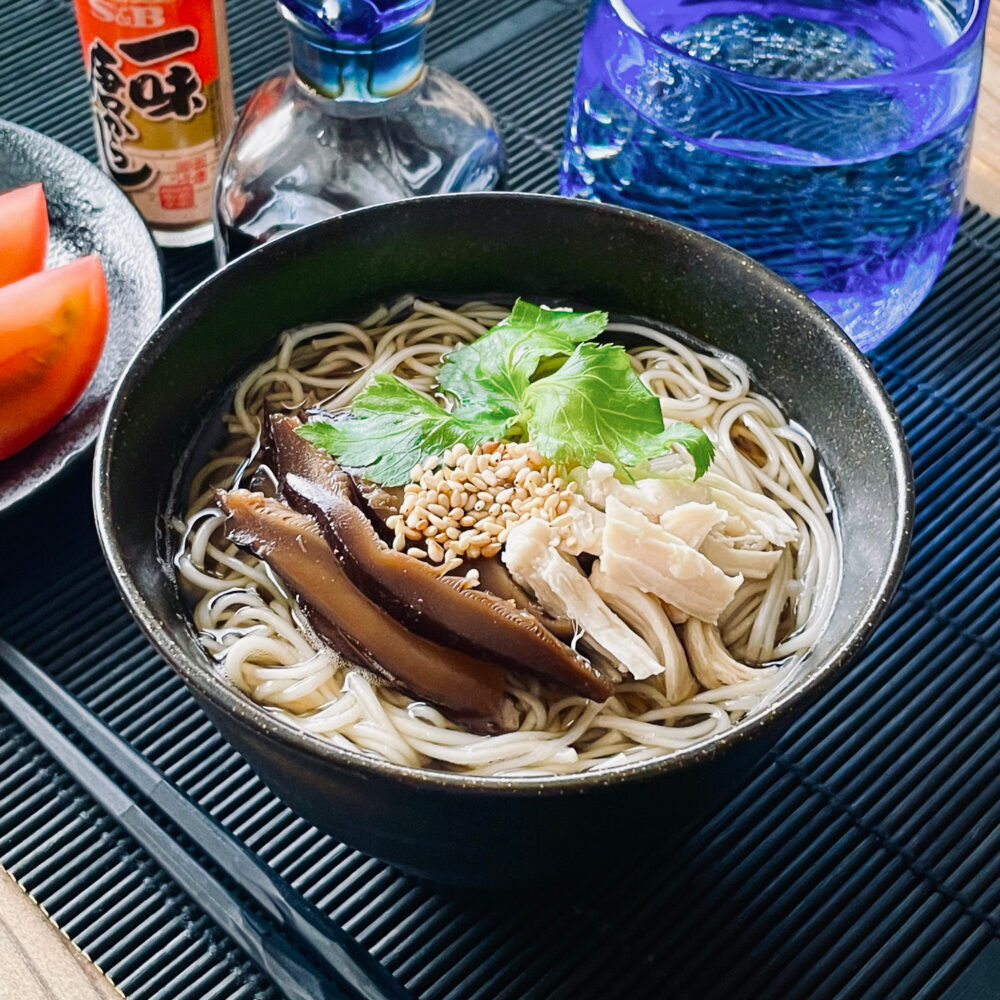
x=52, y=330
x=24, y=232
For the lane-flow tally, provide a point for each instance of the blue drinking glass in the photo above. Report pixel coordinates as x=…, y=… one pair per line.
x=829, y=139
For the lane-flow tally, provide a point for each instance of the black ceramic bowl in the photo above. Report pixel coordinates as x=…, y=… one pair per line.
x=495, y=831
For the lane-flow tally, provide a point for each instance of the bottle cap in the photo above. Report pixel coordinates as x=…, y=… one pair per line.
x=355, y=21
x=358, y=50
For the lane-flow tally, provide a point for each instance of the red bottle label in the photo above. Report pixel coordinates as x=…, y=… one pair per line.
x=162, y=100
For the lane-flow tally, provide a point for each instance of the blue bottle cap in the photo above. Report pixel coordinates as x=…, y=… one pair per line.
x=358, y=50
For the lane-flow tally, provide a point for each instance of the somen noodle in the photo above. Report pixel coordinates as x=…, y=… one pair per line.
x=249, y=623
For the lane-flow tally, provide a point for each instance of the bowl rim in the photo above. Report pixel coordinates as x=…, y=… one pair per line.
x=228, y=699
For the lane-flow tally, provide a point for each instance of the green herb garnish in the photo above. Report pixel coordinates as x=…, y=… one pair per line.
x=593, y=408
x=393, y=427
x=491, y=375
x=692, y=439
x=534, y=375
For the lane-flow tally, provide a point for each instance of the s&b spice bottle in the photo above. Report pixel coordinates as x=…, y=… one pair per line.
x=161, y=94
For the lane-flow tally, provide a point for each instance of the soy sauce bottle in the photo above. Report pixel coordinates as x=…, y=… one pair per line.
x=357, y=119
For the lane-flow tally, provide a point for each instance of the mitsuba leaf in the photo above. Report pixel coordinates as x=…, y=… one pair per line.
x=535, y=374
x=391, y=428
x=596, y=408
x=490, y=375
x=593, y=408
x=692, y=439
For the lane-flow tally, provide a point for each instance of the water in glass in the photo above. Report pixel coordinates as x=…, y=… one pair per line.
x=829, y=140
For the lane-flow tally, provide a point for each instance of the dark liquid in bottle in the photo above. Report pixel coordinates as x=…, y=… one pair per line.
x=270, y=216
x=231, y=243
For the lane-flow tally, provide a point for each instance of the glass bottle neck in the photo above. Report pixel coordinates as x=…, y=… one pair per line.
x=346, y=67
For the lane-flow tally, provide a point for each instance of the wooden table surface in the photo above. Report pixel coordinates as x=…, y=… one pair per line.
x=984, y=170
x=39, y=959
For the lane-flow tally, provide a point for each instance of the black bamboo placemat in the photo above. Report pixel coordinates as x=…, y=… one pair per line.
x=863, y=860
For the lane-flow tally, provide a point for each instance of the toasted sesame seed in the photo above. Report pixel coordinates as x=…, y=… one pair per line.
x=466, y=502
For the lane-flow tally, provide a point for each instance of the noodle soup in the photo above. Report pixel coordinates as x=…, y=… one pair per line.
x=652, y=599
